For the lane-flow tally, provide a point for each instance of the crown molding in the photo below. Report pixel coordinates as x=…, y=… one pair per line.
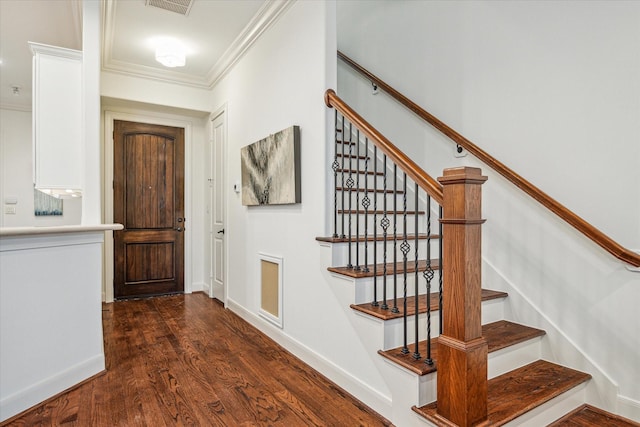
x=263, y=19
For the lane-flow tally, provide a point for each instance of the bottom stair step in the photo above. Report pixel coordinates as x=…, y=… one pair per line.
x=589, y=416
x=519, y=391
x=499, y=335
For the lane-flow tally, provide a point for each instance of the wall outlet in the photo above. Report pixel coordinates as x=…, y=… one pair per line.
x=10, y=210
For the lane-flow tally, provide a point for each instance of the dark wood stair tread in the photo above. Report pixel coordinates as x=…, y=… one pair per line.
x=378, y=212
x=499, y=335
x=378, y=312
x=361, y=172
x=352, y=156
x=519, y=391
x=379, y=238
x=590, y=416
x=370, y=190
x=379, y=269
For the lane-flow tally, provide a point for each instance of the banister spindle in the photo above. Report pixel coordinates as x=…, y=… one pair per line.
x=440, y=270
x=385, y=225
x=395, y=309
x=416, y=352
x=357, y=266
x=350, y=183
x=375, y=226
x=342, y=206
x=335, y=166
x=365, y=203
x=404, y=247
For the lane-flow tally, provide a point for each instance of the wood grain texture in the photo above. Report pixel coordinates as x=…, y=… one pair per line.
x=519, y=391
x=380, y=313
x=589, y=416
x=597, y=236
x=370, y=238
x=184, y=360
x=379, y=269
x=499, y=335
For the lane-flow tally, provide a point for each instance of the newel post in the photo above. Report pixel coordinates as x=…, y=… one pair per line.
x=462, y=351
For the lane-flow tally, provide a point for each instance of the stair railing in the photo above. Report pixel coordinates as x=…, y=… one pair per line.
x=462, y=392
x=607, y=243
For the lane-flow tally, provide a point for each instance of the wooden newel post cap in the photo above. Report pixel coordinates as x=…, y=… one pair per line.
x=462, y=174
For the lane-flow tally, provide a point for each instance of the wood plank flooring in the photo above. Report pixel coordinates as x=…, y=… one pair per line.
x=184, y=360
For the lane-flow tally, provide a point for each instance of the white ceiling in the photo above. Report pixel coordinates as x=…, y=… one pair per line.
x=216, y=33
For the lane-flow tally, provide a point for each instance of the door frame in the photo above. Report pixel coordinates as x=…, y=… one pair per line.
x=222, y=111
x=109, y=116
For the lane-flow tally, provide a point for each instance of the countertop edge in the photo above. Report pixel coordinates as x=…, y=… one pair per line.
x=62, y=229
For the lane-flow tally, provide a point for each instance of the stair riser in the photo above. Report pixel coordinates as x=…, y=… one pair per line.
x=364, y=287
x=342, y=250
x=492, y=311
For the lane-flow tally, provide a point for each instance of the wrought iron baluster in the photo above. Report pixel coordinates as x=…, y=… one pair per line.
x=416, y=352
x=404, y=247
x=395, y=239
x=357, y=266
x=342, y=206
x=350, y=183
x=375, y=226
x=335, y=166
x=365, y=203
x=428, y=275
x=385, y=225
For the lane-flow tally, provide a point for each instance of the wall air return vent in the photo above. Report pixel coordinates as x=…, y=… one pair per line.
x=178, y=6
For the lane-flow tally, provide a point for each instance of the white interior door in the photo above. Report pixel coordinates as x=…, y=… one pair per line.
x=217, y=208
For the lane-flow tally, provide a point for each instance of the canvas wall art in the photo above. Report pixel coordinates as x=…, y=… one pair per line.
x=271, y=169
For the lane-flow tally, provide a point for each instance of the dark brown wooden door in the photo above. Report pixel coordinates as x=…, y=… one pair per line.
x=149, y=201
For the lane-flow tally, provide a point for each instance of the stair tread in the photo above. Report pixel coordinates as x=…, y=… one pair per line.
x=519, y=391
x=361, y=172
x=379, y=237
x=378, y=312
x=353, y=156
x=590, y=416
x=499, y=335
x=378, y=212
x=370, y=190
x=379, y=269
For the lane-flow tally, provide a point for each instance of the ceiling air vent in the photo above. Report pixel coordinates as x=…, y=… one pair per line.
x=178, y=6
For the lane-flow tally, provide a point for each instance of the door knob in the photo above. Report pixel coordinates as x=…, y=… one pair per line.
x=179, y=229
x=221, y=231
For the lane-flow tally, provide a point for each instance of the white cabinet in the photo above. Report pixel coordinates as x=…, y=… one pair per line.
x=57, y=119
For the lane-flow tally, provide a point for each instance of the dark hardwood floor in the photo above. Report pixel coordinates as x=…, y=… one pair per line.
x=186, y=361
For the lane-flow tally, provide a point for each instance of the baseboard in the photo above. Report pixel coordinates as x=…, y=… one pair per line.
x=200, y=287
x=628, y=408
x=40, y=391
x=360, y=390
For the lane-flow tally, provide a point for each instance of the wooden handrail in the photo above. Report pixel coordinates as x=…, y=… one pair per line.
x=597, y=236
x=413, y=171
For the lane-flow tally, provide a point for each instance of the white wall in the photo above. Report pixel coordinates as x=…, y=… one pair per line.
x=16, y=176
x=552, y=90
x=280, y=82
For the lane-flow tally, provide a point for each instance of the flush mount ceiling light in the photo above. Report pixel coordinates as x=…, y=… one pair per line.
x=170, y=53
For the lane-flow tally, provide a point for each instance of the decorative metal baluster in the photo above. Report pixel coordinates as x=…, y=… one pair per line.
x=343, y=183
x=416, y=352
x=428, y=275
x=404, y=247
x=350, y=187
x=365, y=203
x=441, y=270
x=335, y=166
x=385, y=225
x=375, y=225
x=357, y=266
x=395, y=240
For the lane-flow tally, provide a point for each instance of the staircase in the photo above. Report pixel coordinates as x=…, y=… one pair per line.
x=384, y=245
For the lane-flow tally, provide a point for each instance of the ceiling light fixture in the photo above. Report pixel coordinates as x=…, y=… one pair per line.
x=171, y=53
